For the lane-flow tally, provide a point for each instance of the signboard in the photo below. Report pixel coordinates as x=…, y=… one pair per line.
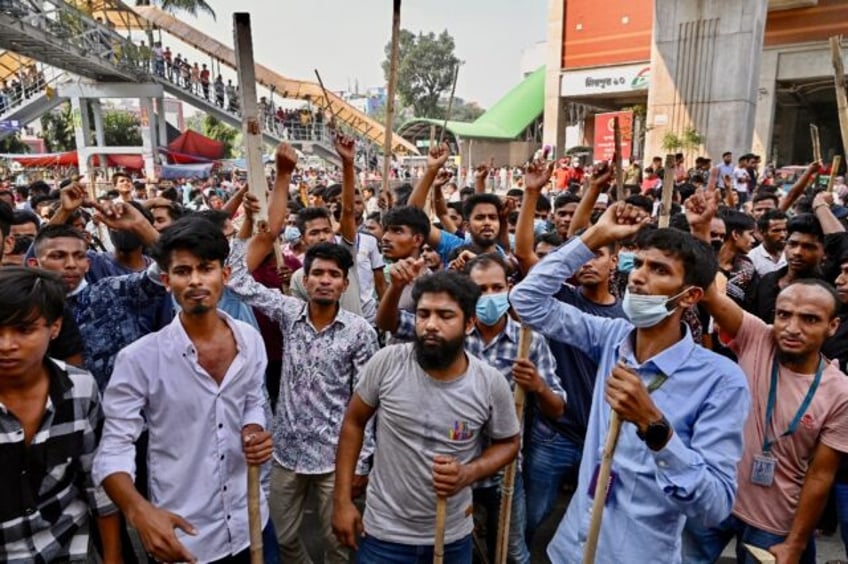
x=10, y=126
x=605, y=135
x=605, y=80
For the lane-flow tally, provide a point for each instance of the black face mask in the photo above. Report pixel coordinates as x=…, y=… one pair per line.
x=124, y=241
x=716, y=245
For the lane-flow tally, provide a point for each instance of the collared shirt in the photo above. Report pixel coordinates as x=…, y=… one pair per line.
x=764, y=262
x=196, y=464
x=47, y=486
x=113, y=313
x=320, y=372
x=705, y=398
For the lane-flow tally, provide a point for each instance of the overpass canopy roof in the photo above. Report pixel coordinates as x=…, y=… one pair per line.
x=10, y=63
x=506, y=120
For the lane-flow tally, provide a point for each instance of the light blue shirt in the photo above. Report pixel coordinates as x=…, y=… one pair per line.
x=705, y=398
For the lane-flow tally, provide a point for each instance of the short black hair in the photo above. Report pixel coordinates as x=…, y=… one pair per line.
x=328, y=251
x=543, y=204
x=459, y=287
x=806, y=223
x=22, y=217
x=6, y=217
x=479, y=199
x=22, y=243
x=641, y=202
x=29, y=293
x=56, y=231
x=466, y=191
x=727, y=154
x=118, y=175
x=762, y=196
x=310, y=214
x=142, y=210
x=194, y=234
x=216, y=217
x=175, y=210
x=736, y=221
x=550, y=237
x=565, y=199
x=769, y=216
x=408, y=216
x=39, y=186
x=455, y=206
x=515, y=193
x=486, y=260
x=826, y=286
x=698, y=258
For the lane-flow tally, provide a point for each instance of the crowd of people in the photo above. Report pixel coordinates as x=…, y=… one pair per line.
x=363, y=349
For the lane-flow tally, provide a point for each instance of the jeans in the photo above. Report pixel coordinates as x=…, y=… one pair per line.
x=374, y=551
x=270, y=550
x=490, y=498
x=549, y=458
x=288, y=503
x=842, y=511
x=702, y=545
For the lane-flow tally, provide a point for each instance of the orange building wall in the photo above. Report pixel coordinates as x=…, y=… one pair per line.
x=829, y=17
x=604, y=39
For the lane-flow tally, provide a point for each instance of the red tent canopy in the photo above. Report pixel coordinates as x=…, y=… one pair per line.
x=47, y=160
x=193, y=144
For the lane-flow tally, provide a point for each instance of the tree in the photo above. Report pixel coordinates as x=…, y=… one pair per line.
x=215, y=129
x=121, y=129
x=13, y=144
x=57, y=129
x=464, y=111
x=191, y=7
x=426, y=65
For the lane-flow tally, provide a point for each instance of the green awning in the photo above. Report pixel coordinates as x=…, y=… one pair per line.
x=507, y=119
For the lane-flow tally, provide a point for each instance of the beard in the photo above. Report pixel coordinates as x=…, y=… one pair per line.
x=198, y=309
x=438, y=356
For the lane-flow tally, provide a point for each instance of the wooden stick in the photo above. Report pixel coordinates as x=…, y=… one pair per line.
x=254, y=517
x=667, y=191
x=508, y=485
x=326, y=96
x=390, y=94
x=450, y=104
x=601, y=489
x=834, y=167
x=617, y=194
x=439, y=540
x=816, y=141
x=252, y=122
x=841, y=94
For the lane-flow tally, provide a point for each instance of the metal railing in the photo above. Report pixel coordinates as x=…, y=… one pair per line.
x=30, y=87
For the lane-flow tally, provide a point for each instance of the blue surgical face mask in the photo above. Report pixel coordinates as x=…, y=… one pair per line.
x=626, y=261
x=491, y=307
x=647, y=310
x=291, y=234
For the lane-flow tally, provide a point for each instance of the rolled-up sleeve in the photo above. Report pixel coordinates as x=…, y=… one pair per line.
x=123, y=402
x=700, y=480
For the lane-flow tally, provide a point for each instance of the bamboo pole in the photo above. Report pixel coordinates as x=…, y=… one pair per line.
x=508, y=486
x=834, y=167
x=667, y=191
x=254, y=517
x=390, y=94
x=450, y=104
x=439, y=540
x=617, y=194
x=815, y=140
x=841, y=95
x=602, y=488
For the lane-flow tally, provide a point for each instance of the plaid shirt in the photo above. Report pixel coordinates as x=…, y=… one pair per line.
x=47, y=486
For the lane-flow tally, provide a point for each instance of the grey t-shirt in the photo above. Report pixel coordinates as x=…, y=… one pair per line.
x=417, y=418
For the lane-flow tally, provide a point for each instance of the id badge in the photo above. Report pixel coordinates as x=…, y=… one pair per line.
x=593, y=484
x=762, y=472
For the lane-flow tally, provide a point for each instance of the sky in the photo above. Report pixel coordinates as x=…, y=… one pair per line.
x=344, y=39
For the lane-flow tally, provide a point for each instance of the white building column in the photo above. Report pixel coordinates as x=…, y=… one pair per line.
x=766, y=105
x=554, y=118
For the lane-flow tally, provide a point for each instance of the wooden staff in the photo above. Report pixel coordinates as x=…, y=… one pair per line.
x=816, y=141
x=508, y=485
x=326, y=96
x=252, y=121
x=841, y=94
x=254, y=516
x=617, y=194
x=390, y=94
x=602, y=488
x=450, y=104
x=667, y=191
x=834, y=167
x=439, y=541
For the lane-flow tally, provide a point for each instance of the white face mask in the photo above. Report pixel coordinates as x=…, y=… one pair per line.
x=648, y=310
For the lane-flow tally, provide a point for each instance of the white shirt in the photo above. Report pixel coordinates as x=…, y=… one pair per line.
x=725, y=170
x=740, y=179
x=195, y=459
x=764, y=262
x=368, y=259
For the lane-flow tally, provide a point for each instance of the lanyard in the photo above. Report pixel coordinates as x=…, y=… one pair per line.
x=772, y=398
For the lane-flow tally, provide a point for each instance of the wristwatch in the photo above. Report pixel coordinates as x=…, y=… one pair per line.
x=657, y=433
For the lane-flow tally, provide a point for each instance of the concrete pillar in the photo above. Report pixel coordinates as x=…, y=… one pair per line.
x=82, y=131
x=99, y=130
x=766, y=104
x=162, y=122
x=554, y=117
x=705, y=69
x=148, y=136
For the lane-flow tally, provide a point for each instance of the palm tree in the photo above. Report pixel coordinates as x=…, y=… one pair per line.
x=191, y=7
